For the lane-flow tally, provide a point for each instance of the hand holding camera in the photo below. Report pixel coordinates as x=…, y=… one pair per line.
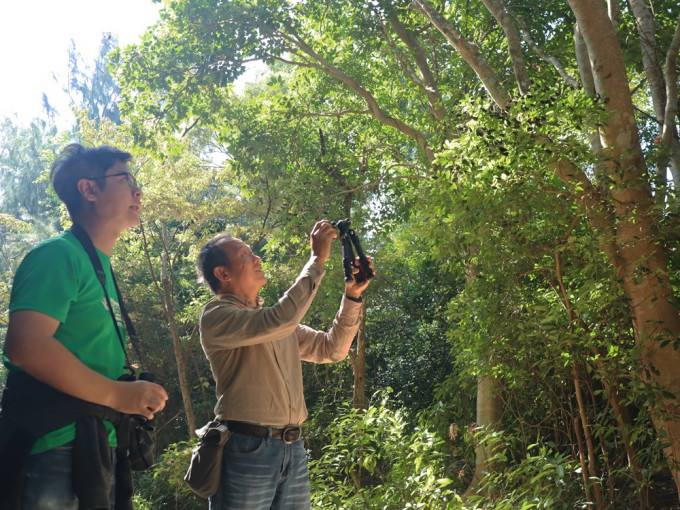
x=348, y=238
x=143, y=397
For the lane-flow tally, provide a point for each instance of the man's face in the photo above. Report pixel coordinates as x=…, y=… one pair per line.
x=246, y=277
x=119, y=200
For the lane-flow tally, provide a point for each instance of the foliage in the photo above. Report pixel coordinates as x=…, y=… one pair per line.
x=91, y=86
x=374, y=459
x=25, y=154
x=542, y=311
x=544, y=479
x=407, y=321
x=491, y=264
x=545, y=312
x=164, y=485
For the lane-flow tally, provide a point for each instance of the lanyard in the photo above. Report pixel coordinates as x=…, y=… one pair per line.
x=82, y=236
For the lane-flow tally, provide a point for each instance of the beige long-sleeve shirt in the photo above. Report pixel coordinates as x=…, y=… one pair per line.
x=256, y=354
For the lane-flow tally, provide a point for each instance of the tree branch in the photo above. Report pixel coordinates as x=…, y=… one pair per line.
x=375, y=184
x=373, y=105
x=646, y=31
x=428, y=84
x=586, y=73
x=526, y=35
x=669, y=135
x=468, y=51
x=671, y=109
x=332, y=114
x=499, y=11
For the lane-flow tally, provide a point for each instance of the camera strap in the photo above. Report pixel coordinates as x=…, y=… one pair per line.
x=82, y=236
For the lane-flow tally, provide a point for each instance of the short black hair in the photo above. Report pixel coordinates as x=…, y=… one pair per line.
x=213, y=255
x=77, y=162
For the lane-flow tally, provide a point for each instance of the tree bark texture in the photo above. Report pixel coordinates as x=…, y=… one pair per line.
x=489, y=410
x=657, y=88
x=489, y=413
x=168, y=310
x=359, y=365
x=468, y=51
x=639, y=258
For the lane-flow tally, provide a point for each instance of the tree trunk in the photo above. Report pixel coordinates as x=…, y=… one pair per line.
x=168, y=310
x=657, y=87
x=639, y=257
x=656, y=325
x=179, y=359
x=489, y=413
x=359, y=365
x=489, y=408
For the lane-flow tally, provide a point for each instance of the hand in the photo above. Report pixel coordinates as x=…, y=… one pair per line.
x=30, y=344
x=320, y=240
x=354, y=289
x=139, y=397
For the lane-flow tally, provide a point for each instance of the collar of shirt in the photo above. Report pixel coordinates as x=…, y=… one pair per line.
x=241, y=301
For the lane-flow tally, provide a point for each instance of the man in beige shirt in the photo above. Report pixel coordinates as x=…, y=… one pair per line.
x=255, y=355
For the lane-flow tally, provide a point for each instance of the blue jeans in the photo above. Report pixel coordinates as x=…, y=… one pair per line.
x=49, y=482
x=262, y=474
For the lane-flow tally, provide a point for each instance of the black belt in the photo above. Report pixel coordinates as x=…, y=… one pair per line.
x=287, y=434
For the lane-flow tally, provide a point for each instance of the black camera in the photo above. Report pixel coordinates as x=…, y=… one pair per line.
x=138, y=438
x=348, y=238
x=149, y=425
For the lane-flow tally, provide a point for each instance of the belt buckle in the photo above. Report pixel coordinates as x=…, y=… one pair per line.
x=293, y=430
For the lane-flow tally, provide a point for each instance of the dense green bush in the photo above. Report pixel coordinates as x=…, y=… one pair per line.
x=375, y=459
x=164, y=486
x=543, y=479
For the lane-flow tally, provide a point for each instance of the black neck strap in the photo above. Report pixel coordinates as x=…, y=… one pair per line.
x=82, y=236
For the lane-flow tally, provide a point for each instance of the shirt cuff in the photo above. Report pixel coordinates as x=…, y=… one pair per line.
x=360, y=299
x=314, y=270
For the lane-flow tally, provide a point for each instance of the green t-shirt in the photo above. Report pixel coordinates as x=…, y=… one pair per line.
x=57, y=278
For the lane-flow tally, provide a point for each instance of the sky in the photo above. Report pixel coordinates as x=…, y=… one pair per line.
x=35, y=36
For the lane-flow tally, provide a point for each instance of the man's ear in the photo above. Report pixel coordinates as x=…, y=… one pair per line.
x=86, y=188
x=221, y=274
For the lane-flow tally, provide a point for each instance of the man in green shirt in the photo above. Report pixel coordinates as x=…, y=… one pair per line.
x=60, y=328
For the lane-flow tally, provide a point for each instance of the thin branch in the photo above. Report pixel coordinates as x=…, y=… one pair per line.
x=500, y=11
x=266, y=215
x=565, y=238
x=296, y=63
x=150, y=264
x=468, y=51
x=403, y=62
x=334, y=114
x=187, y=351
x=375, y=184
x=671, y=86
x=428, y=84
x=526, y=35
x=190, y=127
x=375, y=108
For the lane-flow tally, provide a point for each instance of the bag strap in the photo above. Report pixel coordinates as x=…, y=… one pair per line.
x=82, y=236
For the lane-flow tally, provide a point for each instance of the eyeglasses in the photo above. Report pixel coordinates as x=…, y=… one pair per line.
x=131, y=180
